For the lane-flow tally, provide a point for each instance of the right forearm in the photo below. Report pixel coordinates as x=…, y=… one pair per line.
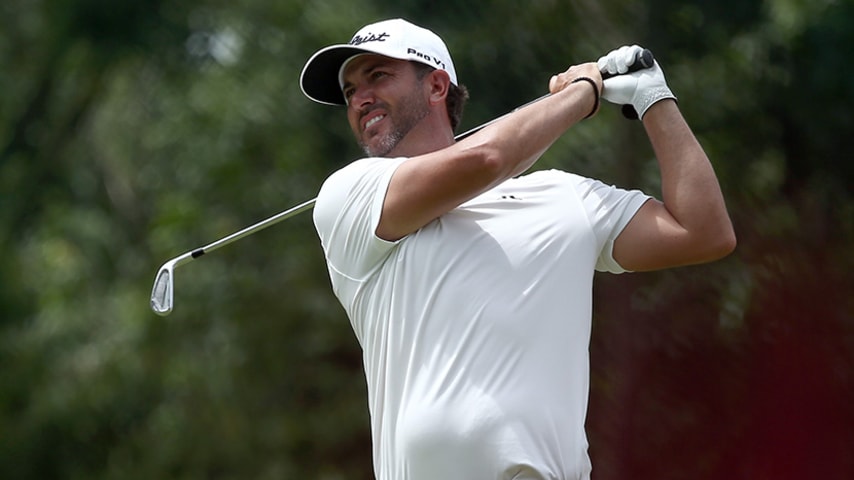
x=514, y=143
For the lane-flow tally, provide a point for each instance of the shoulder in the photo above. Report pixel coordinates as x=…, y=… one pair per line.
x=584, y=186
x=360, y=172
x=356, y=169
x=357, y=183
x=603, y=202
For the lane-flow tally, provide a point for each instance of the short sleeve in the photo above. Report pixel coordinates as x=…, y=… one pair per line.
x=609, y=210
x=347, y=213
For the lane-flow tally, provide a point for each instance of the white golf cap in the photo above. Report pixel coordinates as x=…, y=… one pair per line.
x=321, y=77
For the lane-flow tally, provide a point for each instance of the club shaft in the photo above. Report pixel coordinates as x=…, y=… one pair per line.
x=254, y=228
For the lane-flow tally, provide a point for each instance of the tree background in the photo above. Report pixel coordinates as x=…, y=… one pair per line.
x=134, y=131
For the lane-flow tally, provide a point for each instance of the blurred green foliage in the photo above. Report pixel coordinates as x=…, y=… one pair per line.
x=131, y=132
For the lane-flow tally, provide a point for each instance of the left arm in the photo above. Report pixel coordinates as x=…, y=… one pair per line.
x=691, y=224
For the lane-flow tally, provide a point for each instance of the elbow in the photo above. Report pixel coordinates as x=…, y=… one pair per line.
x=489, y=159
x=731, y=241
x=711, y=245
x=722, y=244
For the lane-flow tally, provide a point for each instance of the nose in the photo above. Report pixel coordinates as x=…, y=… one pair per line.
x=360, y=98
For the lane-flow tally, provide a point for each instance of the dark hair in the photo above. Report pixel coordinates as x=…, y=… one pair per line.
x=455, y=102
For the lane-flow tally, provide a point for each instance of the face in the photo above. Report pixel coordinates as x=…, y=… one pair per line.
x=385, y=101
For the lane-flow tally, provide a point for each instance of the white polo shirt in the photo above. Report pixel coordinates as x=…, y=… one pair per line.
x=475, y=328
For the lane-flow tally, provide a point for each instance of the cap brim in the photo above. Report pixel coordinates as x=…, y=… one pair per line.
x=319, y=78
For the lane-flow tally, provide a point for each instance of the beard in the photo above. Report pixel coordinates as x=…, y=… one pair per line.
x=410, y=111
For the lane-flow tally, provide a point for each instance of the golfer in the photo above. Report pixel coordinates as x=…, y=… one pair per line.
x=469, y=284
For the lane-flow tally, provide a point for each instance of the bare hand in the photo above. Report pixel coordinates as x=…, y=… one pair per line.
x=562, y=80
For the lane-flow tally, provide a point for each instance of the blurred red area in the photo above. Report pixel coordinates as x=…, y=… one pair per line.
x=676, y=394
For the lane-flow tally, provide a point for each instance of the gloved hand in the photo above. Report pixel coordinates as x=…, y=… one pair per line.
x=640, y=89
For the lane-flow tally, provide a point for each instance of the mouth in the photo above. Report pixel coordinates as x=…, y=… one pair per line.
x=372, y=121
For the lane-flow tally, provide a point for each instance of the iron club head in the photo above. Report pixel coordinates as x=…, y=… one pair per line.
x=162, y=294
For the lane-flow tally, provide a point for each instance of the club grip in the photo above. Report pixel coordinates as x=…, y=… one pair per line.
x=643, y=59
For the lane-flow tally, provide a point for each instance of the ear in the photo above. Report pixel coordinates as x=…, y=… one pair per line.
x=439, y=83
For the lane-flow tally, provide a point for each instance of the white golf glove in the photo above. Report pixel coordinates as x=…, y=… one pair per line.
x=640, y=89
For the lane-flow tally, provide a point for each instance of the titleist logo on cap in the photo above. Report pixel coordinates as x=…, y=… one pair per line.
x=370, y=37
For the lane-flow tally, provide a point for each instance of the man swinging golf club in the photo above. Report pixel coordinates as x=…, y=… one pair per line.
x=468, y=284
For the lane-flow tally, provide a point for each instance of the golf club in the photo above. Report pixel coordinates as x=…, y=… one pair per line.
x=162, y=294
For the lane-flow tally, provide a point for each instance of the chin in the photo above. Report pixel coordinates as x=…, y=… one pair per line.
x=380, y=147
